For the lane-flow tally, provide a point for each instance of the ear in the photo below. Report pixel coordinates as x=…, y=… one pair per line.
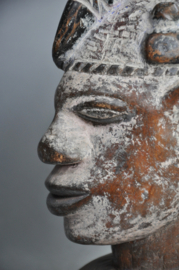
x=171, y=99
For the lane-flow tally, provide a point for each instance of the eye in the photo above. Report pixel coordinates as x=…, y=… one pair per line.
x=99, y=114
x=102, y=113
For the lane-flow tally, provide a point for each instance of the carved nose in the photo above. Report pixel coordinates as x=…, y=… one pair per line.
x=49, y=155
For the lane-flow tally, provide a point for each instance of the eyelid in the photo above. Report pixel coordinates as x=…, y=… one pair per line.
x=100, y=105
x=71, y=102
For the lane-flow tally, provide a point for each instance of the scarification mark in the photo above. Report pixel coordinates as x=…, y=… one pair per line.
x=117, y=70
x=86, y=69
x=113, y=70
x=99, y=70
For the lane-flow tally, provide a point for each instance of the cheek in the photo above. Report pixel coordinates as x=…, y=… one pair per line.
x=110, y=156
x=151, y=164
x=134, y=169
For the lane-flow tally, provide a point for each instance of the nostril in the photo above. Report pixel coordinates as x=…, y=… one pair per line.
x=166, y=11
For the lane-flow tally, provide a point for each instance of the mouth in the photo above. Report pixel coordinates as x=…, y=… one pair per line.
x=63, y=201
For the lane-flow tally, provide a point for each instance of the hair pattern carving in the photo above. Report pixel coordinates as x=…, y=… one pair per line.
x=90, y=4
x=104, y=34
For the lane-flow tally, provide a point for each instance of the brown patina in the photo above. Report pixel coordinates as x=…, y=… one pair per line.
x=115, y=137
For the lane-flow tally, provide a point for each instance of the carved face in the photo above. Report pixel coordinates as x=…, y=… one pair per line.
x=115, y=144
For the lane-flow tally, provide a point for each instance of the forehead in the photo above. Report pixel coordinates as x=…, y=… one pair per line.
x=145, y=91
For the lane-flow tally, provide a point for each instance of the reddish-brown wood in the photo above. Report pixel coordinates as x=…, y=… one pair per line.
x=157, y=252
x=115, y=135
x=163, y=48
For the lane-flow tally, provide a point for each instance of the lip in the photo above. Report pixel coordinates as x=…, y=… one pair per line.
x=62, y=206
x=64, y=200
x=62, y=191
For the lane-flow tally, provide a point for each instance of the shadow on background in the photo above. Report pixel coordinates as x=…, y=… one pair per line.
x=30, y=237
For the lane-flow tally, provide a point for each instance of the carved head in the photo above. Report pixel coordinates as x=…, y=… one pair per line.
x=114, y=139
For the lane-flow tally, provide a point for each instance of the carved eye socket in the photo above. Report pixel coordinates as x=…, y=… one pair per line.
x=166, y=11
x=97, y=114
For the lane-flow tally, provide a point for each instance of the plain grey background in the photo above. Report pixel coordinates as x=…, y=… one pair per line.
x=30, y=237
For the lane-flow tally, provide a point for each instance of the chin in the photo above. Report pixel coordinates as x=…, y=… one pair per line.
x=93, y=231
x=78, y=232
x=78, y=239
x=96, y=234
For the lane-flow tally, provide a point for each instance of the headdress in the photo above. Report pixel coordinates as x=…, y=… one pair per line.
x=125, y=38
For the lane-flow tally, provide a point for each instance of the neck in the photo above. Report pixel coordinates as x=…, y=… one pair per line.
x=158, y=251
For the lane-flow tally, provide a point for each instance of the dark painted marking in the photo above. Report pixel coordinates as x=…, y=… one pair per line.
x=99, y=69
x=87, y=68
x=77, y=66
x=113, y=70
x=127, y=71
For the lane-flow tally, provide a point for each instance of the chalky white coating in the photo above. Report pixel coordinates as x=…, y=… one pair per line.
x=72, y=136
x=104, y=43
